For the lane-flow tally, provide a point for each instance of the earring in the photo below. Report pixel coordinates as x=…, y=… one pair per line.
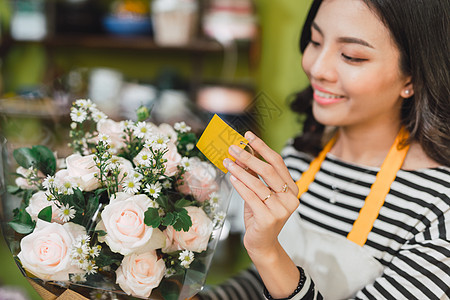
x=407, y=92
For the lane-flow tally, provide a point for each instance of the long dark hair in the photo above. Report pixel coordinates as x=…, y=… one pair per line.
x=421, y=31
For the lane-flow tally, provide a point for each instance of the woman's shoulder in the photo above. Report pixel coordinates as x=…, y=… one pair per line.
x=417, y=159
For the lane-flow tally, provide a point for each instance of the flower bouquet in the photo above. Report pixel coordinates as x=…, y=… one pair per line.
x=135, y=210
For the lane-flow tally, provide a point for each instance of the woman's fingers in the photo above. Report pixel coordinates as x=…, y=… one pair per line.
x=275, y=163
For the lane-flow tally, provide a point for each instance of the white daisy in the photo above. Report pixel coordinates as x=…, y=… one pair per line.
x=185, y=163
x=190, y=146
x=153, y=204
x=159, y=142
x=127, y=124
x=49, y=182
x=66, y=213
x=81, y=263
x=142, y=130
x=73, y=125
x=167, y=184
x=82, y=239
x=67, y=187
x=153, y=189
x=169, y=272
x=78, y=277
x=186, y=257
x=181, y=127
x=219, y=218
x=95, y=251
x=131, y=186
x=98, y=115
x=78, y=115
x=79, y=251
x=104, y=138
x=145, y=158
x=91, y=267
x=214, y=199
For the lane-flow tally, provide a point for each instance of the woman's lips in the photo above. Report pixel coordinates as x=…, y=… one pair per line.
x=325, y=98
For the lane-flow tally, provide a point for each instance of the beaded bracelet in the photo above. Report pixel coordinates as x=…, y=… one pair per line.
x=301, y=283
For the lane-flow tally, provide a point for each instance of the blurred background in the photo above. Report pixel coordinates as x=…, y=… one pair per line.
x=184, y=59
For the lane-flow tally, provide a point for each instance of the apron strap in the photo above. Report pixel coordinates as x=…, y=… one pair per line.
x=378, y=191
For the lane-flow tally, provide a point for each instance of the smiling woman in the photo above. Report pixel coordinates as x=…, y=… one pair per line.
x=366, y=214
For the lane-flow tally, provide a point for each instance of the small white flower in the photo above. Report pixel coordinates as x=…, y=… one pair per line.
x=185, y=163
x=181, y=127
x=85, y=104
x=49, y=182
x=153, y=189
x=145, y=158
x=78, y=277
x=78, y=115
x=73, y=125
x=79, y=251
x=214, y=199
x=67, y=187
x=82, y=239
x=104, y=138
x=131, y=186
x=142, y=130
x=167, y=184
x=98, y=115
x=153, y=204
x=159, y=142
x=66, y=213
x=81, y=263
x=127, y=124
x=219, y=218
x=186, y=257
x=91, y=268
x=190, y=146
x=135, y=175
x=169, y=272
x=95, y=251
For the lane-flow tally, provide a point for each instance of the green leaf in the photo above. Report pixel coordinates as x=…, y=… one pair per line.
x=152, y=217
x=25, y=157
x=21, y=228
x=46, y=161
x=46, y=214
x=168, y=219
x=183, y=221
x=12, y=189
x=183, y=203
x=100, y=232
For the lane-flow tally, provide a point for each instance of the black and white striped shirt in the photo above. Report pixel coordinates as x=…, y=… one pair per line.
x=410, y=238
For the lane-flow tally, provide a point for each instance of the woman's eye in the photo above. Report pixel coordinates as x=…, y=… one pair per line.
x=314, y=43
x=353, y=59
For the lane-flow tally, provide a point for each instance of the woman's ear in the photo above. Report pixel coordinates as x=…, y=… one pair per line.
x=407, y=91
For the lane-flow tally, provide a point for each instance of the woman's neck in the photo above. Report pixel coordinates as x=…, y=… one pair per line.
x=365, y=146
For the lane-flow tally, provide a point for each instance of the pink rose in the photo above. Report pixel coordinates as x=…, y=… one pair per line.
x=46, y=251
x=139, y=274
x=123, y=221
x=40, y=201
x=23, y=182
x=173, y=160
x=115, y=132
x=199, y=180
x=196, y=238
x=82, y=170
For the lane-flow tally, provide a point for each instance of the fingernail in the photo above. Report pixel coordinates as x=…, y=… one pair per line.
x=235, y=149
x=226, y=162
x=249, y=136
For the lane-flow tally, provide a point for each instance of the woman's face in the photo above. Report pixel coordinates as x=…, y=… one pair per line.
x=353, y=65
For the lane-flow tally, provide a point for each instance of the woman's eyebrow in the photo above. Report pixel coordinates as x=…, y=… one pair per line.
x=345, y=40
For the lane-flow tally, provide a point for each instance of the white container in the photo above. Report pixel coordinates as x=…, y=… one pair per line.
x=174, y=21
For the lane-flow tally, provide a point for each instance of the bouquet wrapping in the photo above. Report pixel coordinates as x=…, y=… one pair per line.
x=136, y=210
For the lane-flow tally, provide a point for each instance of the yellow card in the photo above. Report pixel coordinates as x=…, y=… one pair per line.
x=216, y=139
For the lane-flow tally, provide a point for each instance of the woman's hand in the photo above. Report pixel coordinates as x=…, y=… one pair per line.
x=267, y=207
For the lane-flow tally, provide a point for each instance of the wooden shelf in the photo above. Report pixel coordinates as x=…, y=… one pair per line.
x=121, y=43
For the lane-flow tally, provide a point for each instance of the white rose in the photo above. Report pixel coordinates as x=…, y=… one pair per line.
x=139, y=274
x=46, y=251
x=40, y=201
x=173, y=160
x=199, y=180
x=123, y=221
x=196, y=239
x=115, y=132
x=82, y=170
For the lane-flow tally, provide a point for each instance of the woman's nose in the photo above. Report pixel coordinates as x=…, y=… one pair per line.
x=323, y=67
